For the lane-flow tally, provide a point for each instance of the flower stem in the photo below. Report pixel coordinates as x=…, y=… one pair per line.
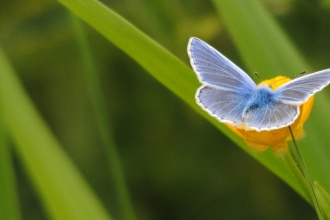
x=298, y=175
x=304, y=170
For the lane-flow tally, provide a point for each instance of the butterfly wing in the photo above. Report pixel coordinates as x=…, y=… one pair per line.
x=225, y=105
x=228, y=106
x=299, y=90
x=273, y=116
x=212, y=68
x=226, y=88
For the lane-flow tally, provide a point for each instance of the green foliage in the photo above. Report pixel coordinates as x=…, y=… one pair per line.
x=169, y=154
x=324, y=199
x=9, y=208
x=65, y=194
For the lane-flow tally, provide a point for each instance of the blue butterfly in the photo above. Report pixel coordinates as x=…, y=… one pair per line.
x=230, y=95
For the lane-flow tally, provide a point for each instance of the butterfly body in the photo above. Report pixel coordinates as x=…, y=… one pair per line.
x=259, y=99
x=230, y=95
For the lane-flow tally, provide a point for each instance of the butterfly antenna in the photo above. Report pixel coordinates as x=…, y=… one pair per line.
x=291, y=77
x=302, y=73
x=255, y=73
x=270, y=85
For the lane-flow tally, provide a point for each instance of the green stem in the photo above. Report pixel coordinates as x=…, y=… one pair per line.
x=310, y=185
x=98, y=104
x=298, y=175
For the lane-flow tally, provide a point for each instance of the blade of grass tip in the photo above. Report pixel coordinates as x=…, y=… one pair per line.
x=308, y=179
x=91, y=75
x=165, y=67
x=9, y=205
x=64, y=192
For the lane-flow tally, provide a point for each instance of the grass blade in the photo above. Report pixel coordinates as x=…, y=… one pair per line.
x=103, y=122
x=9, y=205
x=64, y=192
x=324, y=199
x=179, y=78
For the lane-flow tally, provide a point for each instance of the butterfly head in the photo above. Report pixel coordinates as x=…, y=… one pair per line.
x=275, y=82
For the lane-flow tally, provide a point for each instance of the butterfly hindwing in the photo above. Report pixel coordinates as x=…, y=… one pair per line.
x=274, y=115
x=229, y=106
x=212, y=68
x=225, y=105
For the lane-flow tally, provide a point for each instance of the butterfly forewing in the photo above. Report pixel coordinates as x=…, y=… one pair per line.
x=300, y=90
x=215, y=69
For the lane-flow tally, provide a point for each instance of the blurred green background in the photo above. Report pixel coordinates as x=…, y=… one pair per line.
x=177, y=165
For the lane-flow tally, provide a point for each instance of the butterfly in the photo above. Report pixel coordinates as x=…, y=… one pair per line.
x=230, y=95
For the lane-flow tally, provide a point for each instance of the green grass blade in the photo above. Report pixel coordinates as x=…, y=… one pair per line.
x=167, y=69
x=155, y=59
x=103, y=122
x=260, y=41
x=161, y=64
x=64, y=192
x=265, y=49
x=324, y=199
x=9, y=205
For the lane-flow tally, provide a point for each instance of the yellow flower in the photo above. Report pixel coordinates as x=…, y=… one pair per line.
x=277, y=139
